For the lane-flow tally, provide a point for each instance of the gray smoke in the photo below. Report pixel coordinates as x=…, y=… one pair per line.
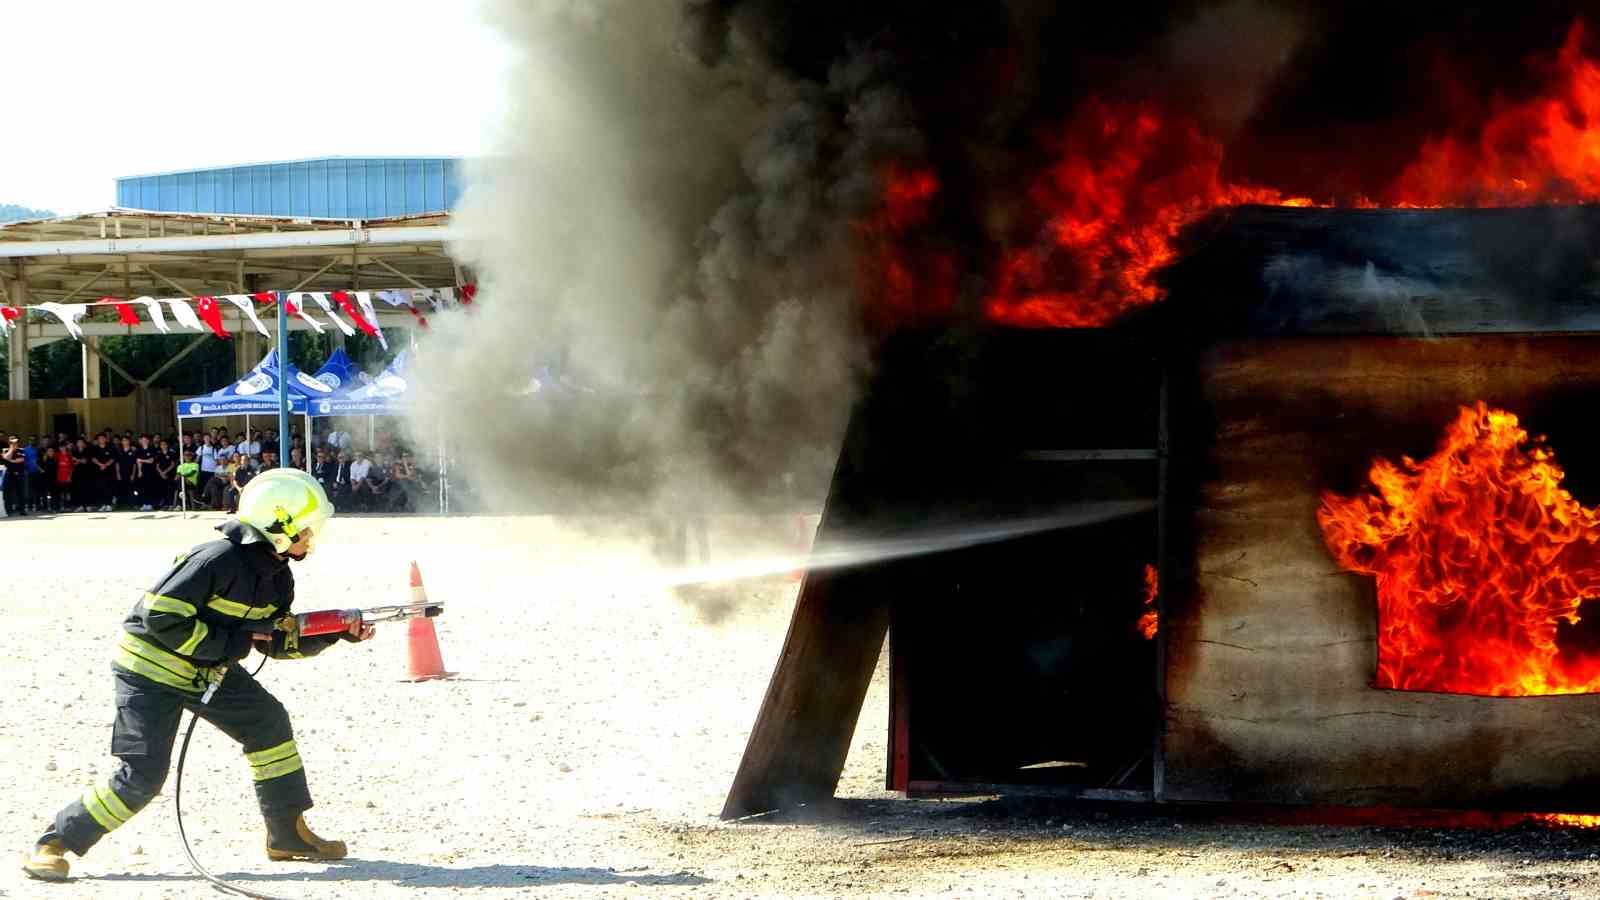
x=662, y=239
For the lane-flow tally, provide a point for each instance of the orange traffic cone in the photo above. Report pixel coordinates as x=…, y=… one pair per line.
x=424, y=662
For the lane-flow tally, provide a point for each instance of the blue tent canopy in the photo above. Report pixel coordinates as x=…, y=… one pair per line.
x=341, y=372
x=256, y=394
x=385, y=395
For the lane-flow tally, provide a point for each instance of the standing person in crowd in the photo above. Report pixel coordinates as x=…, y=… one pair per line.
x=227, y=451
x=31, y=493
x=206, y=456
x=167, y=472
x=125, y=471
x=42, y=476
x=83, y=477
x=339, y=441
x=103, y=468
x=16, y=470
x=144, y=474
x=62, y=495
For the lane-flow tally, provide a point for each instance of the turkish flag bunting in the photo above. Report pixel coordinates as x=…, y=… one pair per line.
x=343, y=299
x=11, y=313
x=417, y=314
x=264, y=296
x=125, y=313
x=211, y=315
x=468, y=293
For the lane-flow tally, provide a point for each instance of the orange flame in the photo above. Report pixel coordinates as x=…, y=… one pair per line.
x=1128, y=176
x=1150, y=619
x=1128, y=180
x=1543, y=150
x=1480, y=558
x=1568, y=820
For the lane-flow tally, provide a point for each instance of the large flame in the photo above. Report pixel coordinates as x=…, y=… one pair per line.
x=1543, y=150
x=1482, y=560
x=1101, y=220
x=1127, y=180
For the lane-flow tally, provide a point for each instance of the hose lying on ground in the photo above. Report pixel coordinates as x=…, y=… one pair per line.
x=177, y=806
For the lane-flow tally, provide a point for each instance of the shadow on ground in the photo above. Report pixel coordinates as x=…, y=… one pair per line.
x=417, y=875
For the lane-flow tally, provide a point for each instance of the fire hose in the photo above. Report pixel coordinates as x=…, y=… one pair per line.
x=312, y=624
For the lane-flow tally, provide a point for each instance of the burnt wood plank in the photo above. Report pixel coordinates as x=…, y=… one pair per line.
x=1271, y=649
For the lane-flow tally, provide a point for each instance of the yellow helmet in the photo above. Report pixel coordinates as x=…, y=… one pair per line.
x=280, y=503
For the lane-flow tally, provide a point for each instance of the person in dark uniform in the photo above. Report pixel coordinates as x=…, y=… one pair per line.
x=102, y=471
x=166, y=475
x=16, y=471
x=180, y=649
x=145, y=478
x=125, y=473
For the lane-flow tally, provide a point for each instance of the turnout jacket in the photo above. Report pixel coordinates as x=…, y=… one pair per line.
x=202, y=614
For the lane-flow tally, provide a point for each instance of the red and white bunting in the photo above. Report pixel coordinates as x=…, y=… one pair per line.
x=204, y=313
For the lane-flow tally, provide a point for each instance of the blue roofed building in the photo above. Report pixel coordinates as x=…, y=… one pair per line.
x=336, y=187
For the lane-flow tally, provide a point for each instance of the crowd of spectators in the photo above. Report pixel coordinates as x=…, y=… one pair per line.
x=200, y=469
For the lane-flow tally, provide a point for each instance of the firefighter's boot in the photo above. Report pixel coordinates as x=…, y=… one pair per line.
x=293, y=839
x=48, y=862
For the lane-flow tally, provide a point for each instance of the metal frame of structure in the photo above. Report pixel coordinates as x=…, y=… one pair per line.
x=130, y=253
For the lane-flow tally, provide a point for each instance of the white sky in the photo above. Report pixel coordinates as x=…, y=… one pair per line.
x=95, y=89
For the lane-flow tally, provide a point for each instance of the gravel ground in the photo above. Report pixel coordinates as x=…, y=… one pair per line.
x=585, y=747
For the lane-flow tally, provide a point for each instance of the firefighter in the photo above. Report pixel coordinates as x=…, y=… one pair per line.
x=180, y=649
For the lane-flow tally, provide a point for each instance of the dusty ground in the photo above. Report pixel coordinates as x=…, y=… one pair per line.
x=585, y=747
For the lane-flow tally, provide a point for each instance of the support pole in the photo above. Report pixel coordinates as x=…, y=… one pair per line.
x=283, y=383
x=91, y=367
x=19, y=343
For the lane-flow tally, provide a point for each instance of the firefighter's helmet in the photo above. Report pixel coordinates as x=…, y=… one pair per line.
x=280, y=503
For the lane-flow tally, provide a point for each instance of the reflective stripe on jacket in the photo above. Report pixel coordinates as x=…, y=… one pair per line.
x=202, y=612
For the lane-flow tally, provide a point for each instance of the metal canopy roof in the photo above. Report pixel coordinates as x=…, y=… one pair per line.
x=130, y=253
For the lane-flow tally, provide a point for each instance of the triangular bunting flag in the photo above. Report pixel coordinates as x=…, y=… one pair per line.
x=249, y=309
x=299, y=309
x=125, y=313
x=152, y=308
x=469, y=292
x=68, y=313
x=364, y=300
x=327, y=308
x=343, y=299
x=184, y=313
x=9, y=314
x=211, y=315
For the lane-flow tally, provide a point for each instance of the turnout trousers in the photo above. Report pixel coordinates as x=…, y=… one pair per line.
x=146, y=727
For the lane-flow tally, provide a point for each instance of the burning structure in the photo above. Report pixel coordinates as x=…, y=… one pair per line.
x=1355, y=393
